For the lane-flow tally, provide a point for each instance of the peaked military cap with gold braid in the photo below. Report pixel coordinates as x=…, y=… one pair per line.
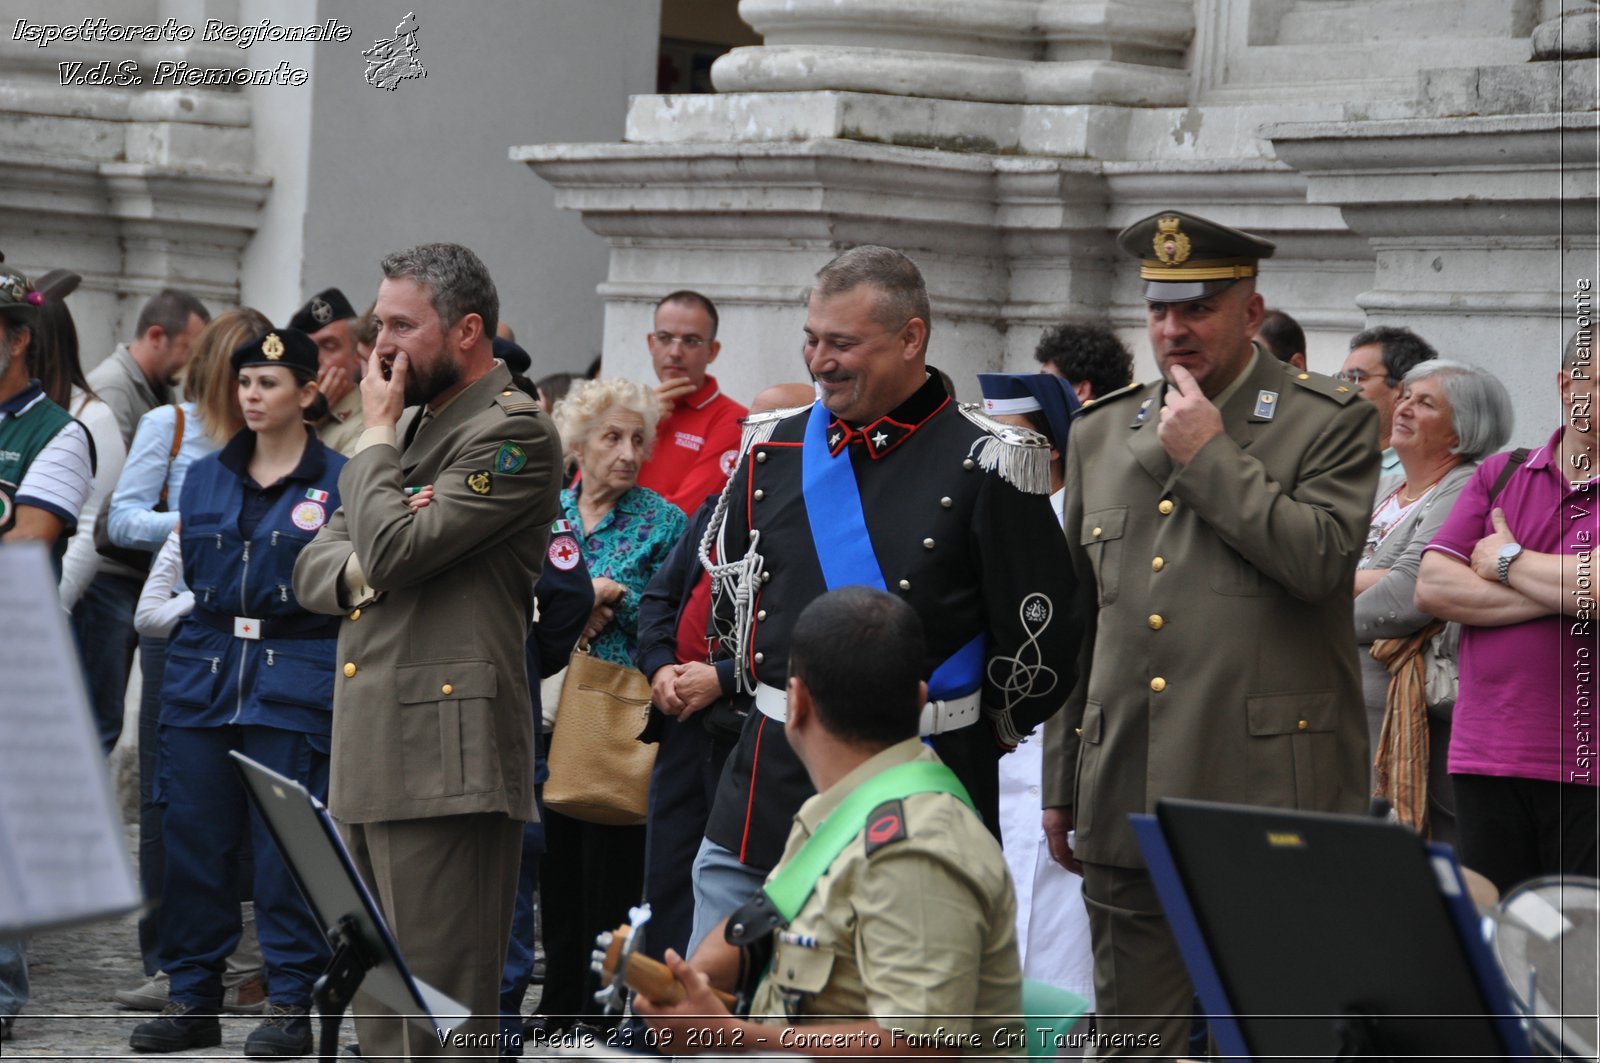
x=1183, y=258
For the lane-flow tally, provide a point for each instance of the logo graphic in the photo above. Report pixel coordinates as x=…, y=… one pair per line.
x=510, y=458
x=564, y=553
x=393, y=61
x=322, y=310
x=479, y=483
x=728, y=461
x=1171, y=244
x=308, y=516
x=272, y=346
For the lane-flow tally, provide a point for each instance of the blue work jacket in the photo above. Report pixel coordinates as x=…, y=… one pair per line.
x=249, y=654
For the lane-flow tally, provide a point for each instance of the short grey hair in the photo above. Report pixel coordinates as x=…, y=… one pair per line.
x=1480, y=409
x=580, y=410
x=456, y=279
x=903, y=294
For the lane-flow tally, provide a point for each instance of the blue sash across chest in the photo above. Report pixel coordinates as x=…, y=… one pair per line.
x=844, y=549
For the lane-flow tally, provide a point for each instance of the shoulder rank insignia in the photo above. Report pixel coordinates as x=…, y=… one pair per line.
x=1020, y=455
x=885, y=825
x=510, y=458
x=1266, y=405
x=480, y=483
x=1326, y=386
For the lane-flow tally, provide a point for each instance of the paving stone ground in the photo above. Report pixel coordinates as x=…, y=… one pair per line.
x=72, y=974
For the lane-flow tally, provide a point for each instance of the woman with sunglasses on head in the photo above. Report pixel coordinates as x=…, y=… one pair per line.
x=249, y=670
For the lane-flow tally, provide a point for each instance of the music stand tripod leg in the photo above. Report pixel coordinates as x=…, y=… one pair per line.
x=337, y=987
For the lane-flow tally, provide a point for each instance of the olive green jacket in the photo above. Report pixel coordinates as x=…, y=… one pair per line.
x=1221, y=665
x=431, y=711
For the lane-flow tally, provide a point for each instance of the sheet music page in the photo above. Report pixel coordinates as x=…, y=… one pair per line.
x=63, y=857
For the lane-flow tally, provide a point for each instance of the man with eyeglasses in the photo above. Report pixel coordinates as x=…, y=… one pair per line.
x=697, y=441
x=1379, y=359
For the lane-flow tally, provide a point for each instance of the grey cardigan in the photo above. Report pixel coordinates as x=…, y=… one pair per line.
x=1388, y=608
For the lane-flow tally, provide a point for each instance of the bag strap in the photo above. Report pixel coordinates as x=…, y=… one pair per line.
x=172, y=452
x=789, y=890
x=1516, y=457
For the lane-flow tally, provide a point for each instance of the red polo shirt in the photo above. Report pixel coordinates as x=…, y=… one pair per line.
x=697, y=446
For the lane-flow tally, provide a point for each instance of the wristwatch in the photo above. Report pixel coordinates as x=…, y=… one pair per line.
x=1508, y=553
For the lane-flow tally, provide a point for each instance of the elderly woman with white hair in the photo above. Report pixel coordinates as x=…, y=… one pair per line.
x=1449, y=417
x=592, y=874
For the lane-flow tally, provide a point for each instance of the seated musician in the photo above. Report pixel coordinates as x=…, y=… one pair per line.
x=903, y=941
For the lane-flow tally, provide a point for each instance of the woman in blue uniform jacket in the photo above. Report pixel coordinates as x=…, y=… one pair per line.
x=250, y=670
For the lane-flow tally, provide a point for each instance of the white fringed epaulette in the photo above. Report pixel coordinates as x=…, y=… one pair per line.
x=758, y=427
x=1020, y=455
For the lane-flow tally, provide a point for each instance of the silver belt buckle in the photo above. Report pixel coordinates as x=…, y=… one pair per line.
x=246, y=627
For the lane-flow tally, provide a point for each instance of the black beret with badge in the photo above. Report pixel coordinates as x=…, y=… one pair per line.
x=324, y=308
x=288, y=347
x=1183, y=257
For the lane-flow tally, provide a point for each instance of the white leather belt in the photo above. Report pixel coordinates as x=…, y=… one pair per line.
x=937, y=716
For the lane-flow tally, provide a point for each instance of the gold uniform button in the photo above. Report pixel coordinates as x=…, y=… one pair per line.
x=355, y=614
x=1166, y=506
x=1305, y=376
x=1158, y=684
x=1096, y=532
x=1157, y=564
x=350, y=670
x=1079, y=731
x=1156, y=623
x=1302, y=725
x=447, y=690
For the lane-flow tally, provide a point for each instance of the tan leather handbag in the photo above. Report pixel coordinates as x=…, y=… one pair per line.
x=599, y=770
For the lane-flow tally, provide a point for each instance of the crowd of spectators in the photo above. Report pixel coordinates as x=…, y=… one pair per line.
x=206, y=453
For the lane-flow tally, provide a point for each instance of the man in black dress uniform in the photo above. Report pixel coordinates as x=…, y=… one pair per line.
x=885, y=482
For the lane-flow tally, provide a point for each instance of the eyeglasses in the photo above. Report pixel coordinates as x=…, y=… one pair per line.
x=690, y=342
x=1359, y=376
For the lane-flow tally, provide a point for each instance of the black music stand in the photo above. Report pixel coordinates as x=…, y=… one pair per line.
x=1315, y=936
x=364, y=951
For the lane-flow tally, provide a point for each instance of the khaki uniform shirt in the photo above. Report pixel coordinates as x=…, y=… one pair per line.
x=342, y=428
x=918, y=935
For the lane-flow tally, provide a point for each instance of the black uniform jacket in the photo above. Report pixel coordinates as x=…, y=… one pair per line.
x=971, y=552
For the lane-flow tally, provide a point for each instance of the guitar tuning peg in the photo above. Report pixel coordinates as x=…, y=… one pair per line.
x=597, y=966
x=605, y=939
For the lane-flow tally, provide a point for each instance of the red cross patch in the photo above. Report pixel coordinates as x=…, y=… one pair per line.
x=564, y=553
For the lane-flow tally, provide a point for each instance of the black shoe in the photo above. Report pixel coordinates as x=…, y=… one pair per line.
x=285, y=1033
x=179, y=1026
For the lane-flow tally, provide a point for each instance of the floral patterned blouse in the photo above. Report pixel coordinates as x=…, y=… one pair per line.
x=628, y=545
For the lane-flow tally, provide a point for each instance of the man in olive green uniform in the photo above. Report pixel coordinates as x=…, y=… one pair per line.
x=432, y=766
x=908, y=938
x=1215, y=516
